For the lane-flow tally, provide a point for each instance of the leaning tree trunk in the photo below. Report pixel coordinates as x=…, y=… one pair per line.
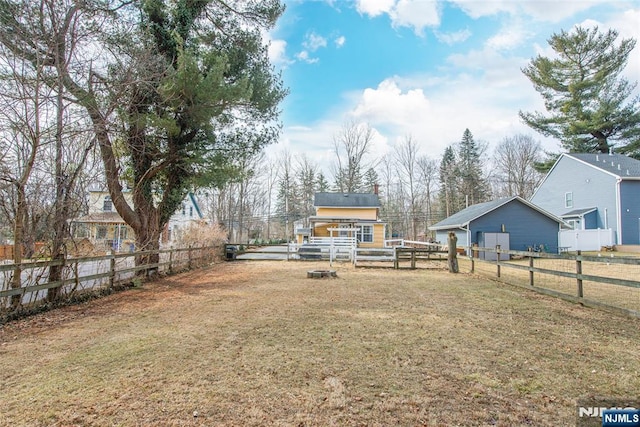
x=453, y=254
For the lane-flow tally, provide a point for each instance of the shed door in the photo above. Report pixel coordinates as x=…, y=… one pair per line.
x=491, y=240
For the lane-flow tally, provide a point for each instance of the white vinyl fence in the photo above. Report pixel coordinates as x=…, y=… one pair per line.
x=585, y=240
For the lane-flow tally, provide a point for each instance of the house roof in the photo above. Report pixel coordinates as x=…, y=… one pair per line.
x=100, y=217
x=464, y=217
x=618, y=165
x=578, y=212
x=347, y=200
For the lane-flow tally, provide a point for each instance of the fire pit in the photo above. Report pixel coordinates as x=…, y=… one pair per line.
x=318, y=274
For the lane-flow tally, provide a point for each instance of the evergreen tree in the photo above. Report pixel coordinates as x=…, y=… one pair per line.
x=448, y=182
x=473, y=187
x=370, y=181
x=584, y=94
x=322, y=185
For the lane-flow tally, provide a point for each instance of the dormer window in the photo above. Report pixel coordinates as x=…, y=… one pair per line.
x=107, y=204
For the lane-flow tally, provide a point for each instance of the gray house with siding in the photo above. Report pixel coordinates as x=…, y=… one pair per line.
x=594, y=191
x=521, y=223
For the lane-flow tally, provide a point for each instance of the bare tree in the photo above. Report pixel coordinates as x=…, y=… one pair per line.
x=271, y=175
x=405, y=156
x=428, y=173
x=23, y=123
x=514, y=160
x=305, y=173
x=351, y=147
x=287, y=198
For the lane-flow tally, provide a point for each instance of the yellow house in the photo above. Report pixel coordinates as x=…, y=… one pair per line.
x=346, y=215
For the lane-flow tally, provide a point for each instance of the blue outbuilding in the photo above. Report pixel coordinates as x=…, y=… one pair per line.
x=511, y=222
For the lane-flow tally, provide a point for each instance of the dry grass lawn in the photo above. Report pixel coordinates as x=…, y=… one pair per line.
x=242, y=344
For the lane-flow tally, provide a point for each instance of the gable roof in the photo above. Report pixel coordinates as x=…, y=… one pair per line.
x=346, y=200
x=619, y=165
x=464, y=217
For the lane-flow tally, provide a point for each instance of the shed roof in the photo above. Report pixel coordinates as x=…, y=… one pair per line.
x=347, y=200
x=464, y=217
x=578, y=212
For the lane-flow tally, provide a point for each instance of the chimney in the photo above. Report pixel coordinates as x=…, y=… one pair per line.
x=376, y=188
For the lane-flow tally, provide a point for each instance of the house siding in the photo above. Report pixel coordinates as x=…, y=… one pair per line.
x=442, y=236
x=630, y=212
x=589, y=186
x=359, y=213
x=378, y=234
x=526, y=226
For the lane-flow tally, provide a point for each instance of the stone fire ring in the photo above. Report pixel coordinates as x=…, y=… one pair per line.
x=318, y=274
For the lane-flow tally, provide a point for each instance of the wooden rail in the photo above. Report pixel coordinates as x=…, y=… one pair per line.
x=100, y=271
x=398, y=255
x=503, y=261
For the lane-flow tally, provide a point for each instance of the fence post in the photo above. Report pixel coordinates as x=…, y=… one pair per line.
x=531, y=271
x=579, y=273
x=171, y=260
x=396, y=261
x=498, y=260
x=473, y=253
x=189, y=257
x=413, y=259
x=112, y=269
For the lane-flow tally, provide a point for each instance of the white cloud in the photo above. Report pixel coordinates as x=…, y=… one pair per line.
x=387, y=104
x=416, y=14
x=509, y=37
x=340, y=41
x=374, y=8
x=548, y=11
x=314, y=42
x=304, y=57
x=626, y=23
x=278, y=53
x=453, y=37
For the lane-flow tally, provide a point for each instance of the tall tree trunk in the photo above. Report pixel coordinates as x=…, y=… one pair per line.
x=18, y=237
x=59, y=220
x=147, y=239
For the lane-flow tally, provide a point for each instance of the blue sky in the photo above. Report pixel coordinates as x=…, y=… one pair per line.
x=420, y=68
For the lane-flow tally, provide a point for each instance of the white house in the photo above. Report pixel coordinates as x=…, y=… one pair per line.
x=103, y=225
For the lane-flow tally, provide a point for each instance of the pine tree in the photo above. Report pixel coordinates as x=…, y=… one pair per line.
x=584, y=94
x=448, y=182
x=473, y=187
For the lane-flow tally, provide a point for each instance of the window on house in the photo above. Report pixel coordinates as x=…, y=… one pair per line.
x=184, y=211
x=574, y=223
x=107, y=204
x=190, y=211
x=568, y=200
x=365, y=233
x=101, y=233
